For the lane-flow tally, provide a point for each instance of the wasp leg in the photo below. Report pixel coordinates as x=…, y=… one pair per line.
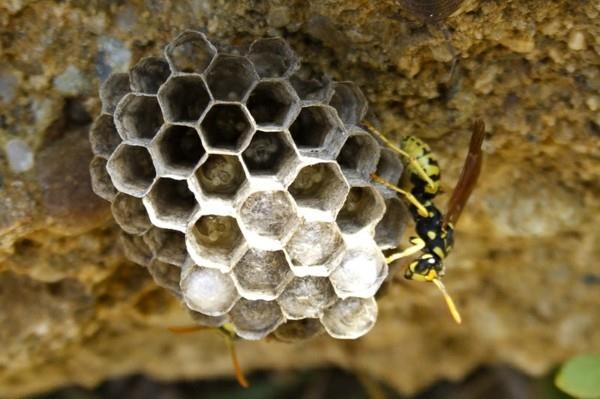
x=417, y=245
x=411, y=198
x=412, y=160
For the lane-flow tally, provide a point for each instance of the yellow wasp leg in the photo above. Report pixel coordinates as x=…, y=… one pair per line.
x=411, y=198
x=417, y=245
x=451, y=306
x=415, y=164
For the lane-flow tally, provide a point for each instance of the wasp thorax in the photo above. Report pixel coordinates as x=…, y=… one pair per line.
x=242, y=183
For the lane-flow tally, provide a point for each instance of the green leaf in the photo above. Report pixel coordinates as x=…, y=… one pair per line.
x=580, y=377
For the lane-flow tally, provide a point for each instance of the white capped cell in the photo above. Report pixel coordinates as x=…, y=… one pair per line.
x=360, y=273
x=208, y=291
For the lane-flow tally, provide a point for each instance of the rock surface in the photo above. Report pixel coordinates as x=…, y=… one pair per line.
x=525, y=270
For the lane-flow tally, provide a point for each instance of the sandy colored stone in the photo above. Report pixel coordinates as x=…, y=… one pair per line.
x=525, y=269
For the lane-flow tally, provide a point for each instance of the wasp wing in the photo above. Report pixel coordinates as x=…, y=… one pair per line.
x=468, y=176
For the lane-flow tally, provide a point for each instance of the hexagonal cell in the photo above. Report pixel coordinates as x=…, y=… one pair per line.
x=167, y=245
x=113, y=90
x=269, y=154
x=363, y=208
x=130, y=214
x=190, y=52
x=208, y=291
x=390, y=168
x=166, y=275
x=315, y=249
x=320, y=186
x=349, y=101
x=207, y=321
x=269, y=218
x=221, y=176
x=148, y=74
x=138, y=117
x=350, y=318
x=298, y=330
x=101, y=182
x=311, y=87
x=171, y=204
x=306, y=297
x=315, y=128
x=255, y=320
x=226, y=127
x=388, y=232
x=104, y=137
x=361, y=272
x=359, y=154
x=262, y=274
x=273, y=58
x=216, y=241
x=184, y=98
x=230, y=77
x=135, y=249
x=131, y=170
x=272, y=104
x=179, y=149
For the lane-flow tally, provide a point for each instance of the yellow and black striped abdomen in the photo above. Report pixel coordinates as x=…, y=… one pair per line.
x=420, y=151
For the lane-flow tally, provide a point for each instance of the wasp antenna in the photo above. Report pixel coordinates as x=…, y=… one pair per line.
x=186, y=329
x=239, y=374
x=451, y=306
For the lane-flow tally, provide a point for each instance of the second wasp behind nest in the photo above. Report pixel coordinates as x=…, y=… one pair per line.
x=435, y=231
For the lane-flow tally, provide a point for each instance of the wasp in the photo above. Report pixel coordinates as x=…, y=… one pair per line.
x=434, y=230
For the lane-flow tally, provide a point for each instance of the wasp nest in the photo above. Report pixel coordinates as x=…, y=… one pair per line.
x=242, y=183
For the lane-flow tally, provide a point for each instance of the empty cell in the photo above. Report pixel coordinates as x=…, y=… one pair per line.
x=166, y=275
x=359, y=155
x=262, y=274
x=273, y=58
x=311, y=87
x=148, y=74
x=230, y=78
x=131, y=170
x=184, y=98
x=272, y=104
x=360, y=274
x=350, y=318
x=167, y=245
x=135, y=249
x=364, y=206
x=113, y=90
x=349, y=101
x=130, y=214
x=388, y=232
x=104, y=137
x=315, y=249
x=190, y=52
x=216, y=241
x=269, y=217
x=389, y=167
x=268, y=153
x=298, y=330
x=138, y=117
x=179, y=149
x=101, y=182
x=320, y=186
x=312, y=126
x=171, y=204
x=254, y=320
x=221, y=176
x=208, y=291
x=226, y=127
x=306, y=297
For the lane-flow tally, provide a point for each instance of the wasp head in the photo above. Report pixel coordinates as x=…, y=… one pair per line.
x=425, y=268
